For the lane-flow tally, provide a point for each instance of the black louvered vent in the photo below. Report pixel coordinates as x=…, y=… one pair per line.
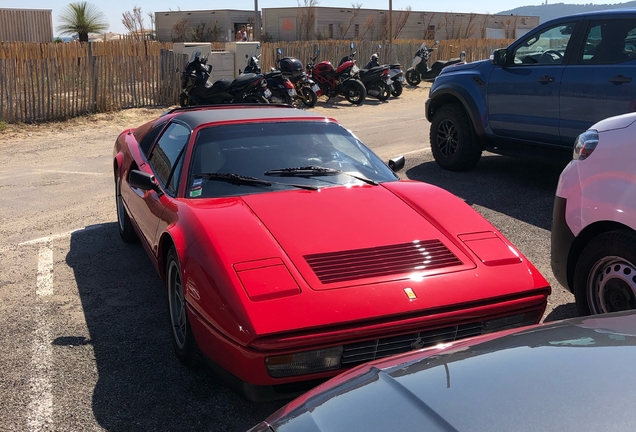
x=349, y=265
x=361, y=352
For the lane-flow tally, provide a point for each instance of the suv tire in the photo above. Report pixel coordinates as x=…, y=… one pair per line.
x=452, y=139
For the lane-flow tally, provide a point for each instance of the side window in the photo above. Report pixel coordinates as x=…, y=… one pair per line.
x=545, y=48
x=150, y=137
x=167, y=156
x=609, y=41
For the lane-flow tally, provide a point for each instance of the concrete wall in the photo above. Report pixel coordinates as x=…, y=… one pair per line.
x=373, y=24
x=227, y=19
x=26, y=25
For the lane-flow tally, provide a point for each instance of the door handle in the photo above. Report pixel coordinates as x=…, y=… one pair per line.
x=620, y=79
x=545, y=79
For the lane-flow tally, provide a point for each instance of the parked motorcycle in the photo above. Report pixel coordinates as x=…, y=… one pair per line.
x=198, y=90
x=395, y=74
x=375, y=78
x=420, y=69
x=283, y=90
x=292, y=68
x=337, y=81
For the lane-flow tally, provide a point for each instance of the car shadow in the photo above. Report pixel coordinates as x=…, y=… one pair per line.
x=562, y=312
x=141, y=385
x=519, y=188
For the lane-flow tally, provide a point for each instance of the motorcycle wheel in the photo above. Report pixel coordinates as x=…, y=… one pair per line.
x=397, y=89
x=184, y=100
x=354, y=91
x=413, y=77
x=255, y=99
x=384, y=91
x=279, y=97
x=309, y=97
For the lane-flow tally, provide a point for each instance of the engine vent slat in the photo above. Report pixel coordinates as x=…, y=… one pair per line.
x=354, y=264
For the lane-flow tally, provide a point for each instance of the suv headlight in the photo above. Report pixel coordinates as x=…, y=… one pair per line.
x=585, y=144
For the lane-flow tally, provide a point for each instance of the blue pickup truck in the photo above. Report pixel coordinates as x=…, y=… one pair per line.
x=533, y=98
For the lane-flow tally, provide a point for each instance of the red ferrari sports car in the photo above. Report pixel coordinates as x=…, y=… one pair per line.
x=290, y=252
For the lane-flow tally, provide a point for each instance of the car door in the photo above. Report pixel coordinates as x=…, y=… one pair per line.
x=602, y=81
x=523, y=95
x=165, y=160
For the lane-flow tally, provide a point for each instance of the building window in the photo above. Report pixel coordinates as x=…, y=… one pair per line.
x=430, y=33
x=330, y=31
x=356, y=30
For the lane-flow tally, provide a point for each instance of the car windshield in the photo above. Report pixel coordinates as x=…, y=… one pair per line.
x=287, y=155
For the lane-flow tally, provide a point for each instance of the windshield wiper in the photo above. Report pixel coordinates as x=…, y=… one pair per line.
x=313, y=170
x=238, y=179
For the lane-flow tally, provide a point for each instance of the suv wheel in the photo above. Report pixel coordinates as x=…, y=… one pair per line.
x=452, y=139
x=605, y=274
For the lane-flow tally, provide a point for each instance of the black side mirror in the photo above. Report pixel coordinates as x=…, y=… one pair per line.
x=143, y=181
x=499, y=57
x=397, y=163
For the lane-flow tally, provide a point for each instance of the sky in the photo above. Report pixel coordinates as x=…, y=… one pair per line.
x=113, y=9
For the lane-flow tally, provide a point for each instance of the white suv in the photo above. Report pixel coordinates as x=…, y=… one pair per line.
x=594, y=220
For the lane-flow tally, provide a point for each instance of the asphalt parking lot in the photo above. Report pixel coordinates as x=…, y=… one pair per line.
x=85, y=331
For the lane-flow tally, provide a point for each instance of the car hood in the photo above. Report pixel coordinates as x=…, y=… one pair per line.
x=613, y=123
x=462, y=67
x=566, y=376
x=342, y=236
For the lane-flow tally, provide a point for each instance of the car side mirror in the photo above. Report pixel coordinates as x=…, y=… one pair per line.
x=499, y=57
x=143, y=181
x=397, y=163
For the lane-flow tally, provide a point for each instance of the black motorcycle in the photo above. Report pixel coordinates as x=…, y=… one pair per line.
x=375, y=78
x=283, y=91
x=395, y=74
x=198, y=90
x=293, y=69
x=420, y=70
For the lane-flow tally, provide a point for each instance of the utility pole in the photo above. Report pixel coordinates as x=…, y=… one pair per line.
x=257, y=22
x=390, y=23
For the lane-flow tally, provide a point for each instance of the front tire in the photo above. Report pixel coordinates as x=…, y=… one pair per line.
x=279, y=97
x=452, y=139
x=185, y=346
x=126, y=230
x=413, y=77
x=309, y=97
x=397, y=89
x=384, y=91
x=605, y=274
x=185, y=101
x=354, y=91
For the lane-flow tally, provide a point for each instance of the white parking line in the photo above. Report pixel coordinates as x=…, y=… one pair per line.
x=50, y=238
x=41, y=404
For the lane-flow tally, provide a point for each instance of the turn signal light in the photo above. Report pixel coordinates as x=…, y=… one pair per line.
x=304, y=363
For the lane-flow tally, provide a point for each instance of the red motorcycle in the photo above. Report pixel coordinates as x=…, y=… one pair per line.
x=340, y=81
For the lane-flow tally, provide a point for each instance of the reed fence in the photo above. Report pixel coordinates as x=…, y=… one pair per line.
x=45, y=82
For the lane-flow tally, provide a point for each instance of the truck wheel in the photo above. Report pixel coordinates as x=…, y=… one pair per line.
x=412, y=77
x=605, y=274
x=452, y=139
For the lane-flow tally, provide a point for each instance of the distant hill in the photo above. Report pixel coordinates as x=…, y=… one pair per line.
x=546, y=12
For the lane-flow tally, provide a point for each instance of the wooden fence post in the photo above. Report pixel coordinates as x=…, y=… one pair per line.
x=92, y=78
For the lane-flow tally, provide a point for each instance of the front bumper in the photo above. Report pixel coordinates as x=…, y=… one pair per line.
x=244, y=368
x=561, y=240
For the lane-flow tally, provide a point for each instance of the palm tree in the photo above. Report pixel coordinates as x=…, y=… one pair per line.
x=82, y=18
